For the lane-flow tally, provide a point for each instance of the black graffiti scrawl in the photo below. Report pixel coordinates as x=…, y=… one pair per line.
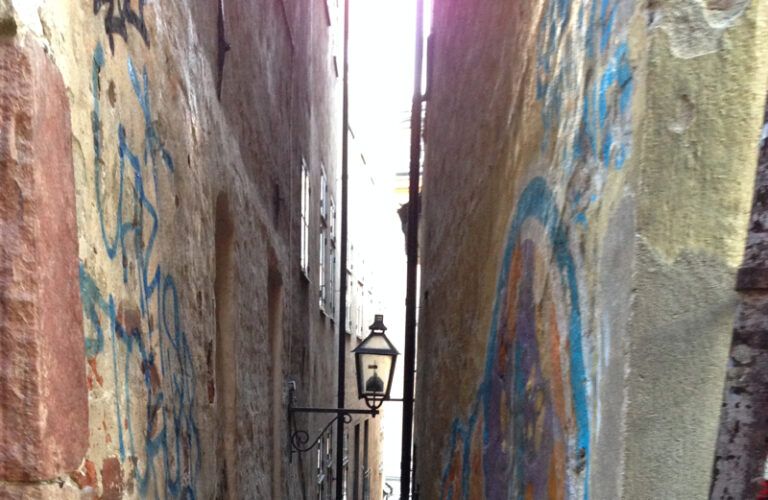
x=118, y=15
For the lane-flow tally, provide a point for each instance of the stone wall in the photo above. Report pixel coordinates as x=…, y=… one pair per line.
x=739, y=465
x=582, y=224
x=156, y=149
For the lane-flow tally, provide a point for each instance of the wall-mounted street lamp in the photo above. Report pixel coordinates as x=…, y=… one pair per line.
x=375, y=360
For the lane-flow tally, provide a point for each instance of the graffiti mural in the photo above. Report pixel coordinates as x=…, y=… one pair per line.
x=528, y=432
x=584, y=83
x=136, y=328
x=118, y=16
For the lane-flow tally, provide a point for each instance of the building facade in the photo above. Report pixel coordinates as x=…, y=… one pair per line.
x=169, y=241
x=582, y=225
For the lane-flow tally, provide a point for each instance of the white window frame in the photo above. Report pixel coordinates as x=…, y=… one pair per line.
x=332, y=219
x=321, y=274
x=327, y=247
x=323, y=195
x=349, y=326
x=360, y=309
x=331, y=271
x=305, y=210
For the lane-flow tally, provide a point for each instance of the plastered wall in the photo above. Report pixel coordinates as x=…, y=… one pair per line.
x=188, y=123
x=582, y=224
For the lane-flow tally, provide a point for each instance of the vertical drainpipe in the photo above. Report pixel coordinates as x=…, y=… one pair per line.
x=742, y=441
x=409, y=356
x=343, y=257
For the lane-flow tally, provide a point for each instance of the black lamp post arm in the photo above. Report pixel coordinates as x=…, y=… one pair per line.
x=350, y=411
x=299, y=439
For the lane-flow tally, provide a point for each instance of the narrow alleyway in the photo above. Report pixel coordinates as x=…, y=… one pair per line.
x=421, y=249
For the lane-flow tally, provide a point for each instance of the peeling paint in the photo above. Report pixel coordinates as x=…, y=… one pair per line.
x=695, y=29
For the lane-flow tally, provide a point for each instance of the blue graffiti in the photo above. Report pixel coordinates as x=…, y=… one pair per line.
x=598, y=111
x=171, y=437
x=536, y=203
x=603, y=96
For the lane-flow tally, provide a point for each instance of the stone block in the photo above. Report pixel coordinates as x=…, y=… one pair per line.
x=43, y=395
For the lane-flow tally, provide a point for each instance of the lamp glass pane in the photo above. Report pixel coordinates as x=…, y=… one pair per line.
x=376, y=342
x=375, y=370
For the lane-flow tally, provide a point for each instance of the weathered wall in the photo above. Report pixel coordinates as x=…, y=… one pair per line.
x=739, y=464
x=188, y=124
x=696, y=178
x=576, y=305
x=40, y=313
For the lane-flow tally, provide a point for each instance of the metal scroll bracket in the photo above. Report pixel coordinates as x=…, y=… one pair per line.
x=299, y=439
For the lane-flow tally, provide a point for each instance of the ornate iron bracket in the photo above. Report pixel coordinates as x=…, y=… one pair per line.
x=300, y=438
x=299, y=441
